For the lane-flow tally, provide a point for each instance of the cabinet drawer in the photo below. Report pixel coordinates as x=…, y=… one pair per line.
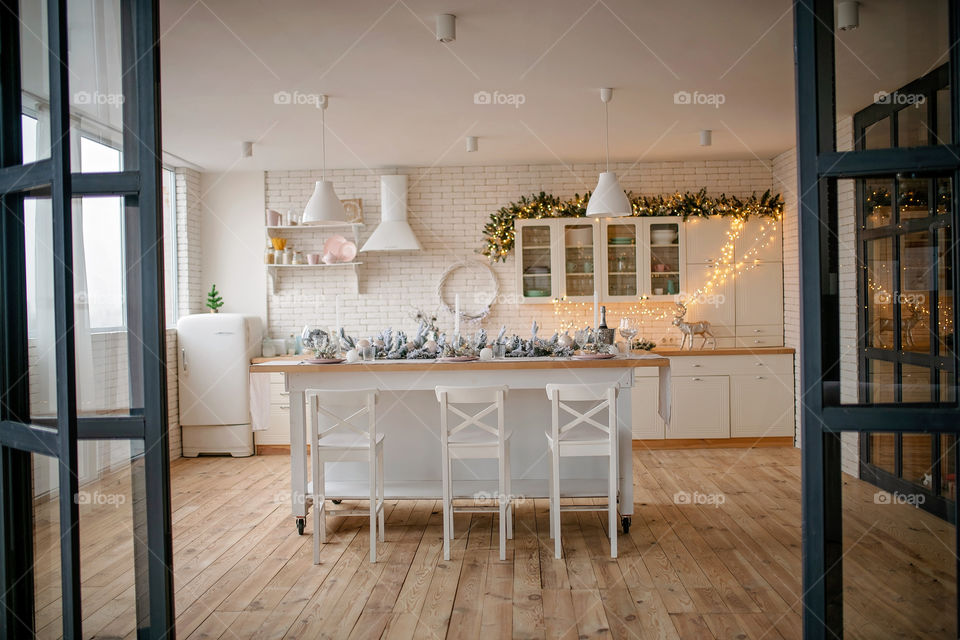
x=764, y=330
x=694, y=365
x=761, y=406
x=754, y=342
x=701, y=407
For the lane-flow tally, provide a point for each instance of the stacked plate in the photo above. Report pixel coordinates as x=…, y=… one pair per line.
x=338, y=249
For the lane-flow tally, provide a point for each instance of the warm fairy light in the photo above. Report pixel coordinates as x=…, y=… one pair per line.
x=569, y=314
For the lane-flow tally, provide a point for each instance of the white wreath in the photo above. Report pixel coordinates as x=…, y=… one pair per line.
x=468, y=264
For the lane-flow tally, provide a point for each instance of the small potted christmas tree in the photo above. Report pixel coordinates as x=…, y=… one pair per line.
x=214, y=301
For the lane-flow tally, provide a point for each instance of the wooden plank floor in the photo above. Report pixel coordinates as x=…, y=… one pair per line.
x=714, y=552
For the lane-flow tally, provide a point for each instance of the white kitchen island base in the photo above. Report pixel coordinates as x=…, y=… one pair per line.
x=408, y=415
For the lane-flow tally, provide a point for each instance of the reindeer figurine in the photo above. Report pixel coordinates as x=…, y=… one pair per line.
x=691, y=329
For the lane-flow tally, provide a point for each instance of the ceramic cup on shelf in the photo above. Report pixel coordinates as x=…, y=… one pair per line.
x=274, y=218
x=658, y=291
x=313, y=258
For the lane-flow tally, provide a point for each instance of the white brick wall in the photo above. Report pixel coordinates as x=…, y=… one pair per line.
x=785, y=181
x=448, y=207
x=189, y=251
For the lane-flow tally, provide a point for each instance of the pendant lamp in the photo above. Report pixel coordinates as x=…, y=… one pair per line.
x=608, y=200
x=324, y=207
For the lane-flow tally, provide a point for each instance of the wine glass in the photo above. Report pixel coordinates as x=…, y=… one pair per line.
x=628, y=329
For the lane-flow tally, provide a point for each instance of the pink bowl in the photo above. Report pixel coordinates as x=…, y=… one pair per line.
x=332, y=246
x=348, y=251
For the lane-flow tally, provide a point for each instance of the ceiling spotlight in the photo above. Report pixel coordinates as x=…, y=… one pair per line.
x=848, y=15
x=471, y=144
x=706, y=137
x=246, y=149
x=446, y=27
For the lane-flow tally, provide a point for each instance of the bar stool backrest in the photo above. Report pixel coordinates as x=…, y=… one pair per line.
x=603, y=396
x=493, y=397
x=333, y=404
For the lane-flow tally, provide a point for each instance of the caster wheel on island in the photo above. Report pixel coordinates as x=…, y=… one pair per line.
x=301, y=524
x=625, y=523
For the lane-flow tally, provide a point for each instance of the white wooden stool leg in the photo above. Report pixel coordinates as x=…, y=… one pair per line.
x=319, y=529
x=380, y=497
x=449, y=512
x=502, y=504
x=506, y=452
x=447, y=533
x=555, y=507
x=550, y=491
x=373, y=506
x=612, y=507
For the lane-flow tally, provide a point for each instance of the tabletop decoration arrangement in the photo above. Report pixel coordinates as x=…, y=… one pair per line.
x=426, y=344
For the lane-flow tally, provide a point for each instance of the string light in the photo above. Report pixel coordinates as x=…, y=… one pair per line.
x=569, y=314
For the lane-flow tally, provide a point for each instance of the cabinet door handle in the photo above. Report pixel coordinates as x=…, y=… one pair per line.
x=760, y=378
x=758, y=364
x=284, y=406
x=284, y=393
x=756, y=330
x=758, y=342
x=696, y=365
x=709, y=259
x=697, y=379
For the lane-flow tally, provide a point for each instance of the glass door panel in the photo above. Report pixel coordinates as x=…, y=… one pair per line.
x=916, y=284
x=944, y=309
x=623, y=280
x=917, y=450
x=536, y=256
x=578, y=261
x=948, y=474
x=665, y=259
x=883, y=451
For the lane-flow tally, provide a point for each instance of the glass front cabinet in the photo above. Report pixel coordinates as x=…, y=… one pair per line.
x=536, y=254
x=622, y=258
x=578, y=262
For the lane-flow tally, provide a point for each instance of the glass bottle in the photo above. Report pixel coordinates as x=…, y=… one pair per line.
x=605, y=335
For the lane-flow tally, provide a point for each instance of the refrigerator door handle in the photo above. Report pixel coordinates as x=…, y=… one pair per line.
x=183, y=359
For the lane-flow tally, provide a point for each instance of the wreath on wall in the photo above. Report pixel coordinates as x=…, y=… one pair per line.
x=499, y=232
x=487, y=300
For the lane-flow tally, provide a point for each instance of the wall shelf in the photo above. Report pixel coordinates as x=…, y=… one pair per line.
x=273, y=269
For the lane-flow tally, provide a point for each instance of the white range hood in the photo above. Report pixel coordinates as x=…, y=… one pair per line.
x=393, y=233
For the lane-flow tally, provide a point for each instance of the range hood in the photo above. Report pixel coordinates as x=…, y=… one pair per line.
x=393, y=233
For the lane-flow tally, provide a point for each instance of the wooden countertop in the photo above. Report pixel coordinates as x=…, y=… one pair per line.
x=733, y=351
x=290, y=364
x=539, y=363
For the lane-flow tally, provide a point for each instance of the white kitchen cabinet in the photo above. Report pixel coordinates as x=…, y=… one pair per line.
x=536, y=251
x=622, y=262
x=664, y=258
x=700, y=407
x=761, y=406
x=719, y=396
x=759, y=240
x=705, y=238
x=644, y=403
x=717, y=307
x=759, y=295
x=578, y=239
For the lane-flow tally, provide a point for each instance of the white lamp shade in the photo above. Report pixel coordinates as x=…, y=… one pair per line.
x=324, y=205
x=393, y=233
x=608, y=199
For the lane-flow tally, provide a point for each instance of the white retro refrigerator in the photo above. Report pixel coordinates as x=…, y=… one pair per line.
x=214, y=351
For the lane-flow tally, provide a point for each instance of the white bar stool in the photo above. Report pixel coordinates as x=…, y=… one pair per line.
x=565, y=441
x=352, y=438
x=483, y=441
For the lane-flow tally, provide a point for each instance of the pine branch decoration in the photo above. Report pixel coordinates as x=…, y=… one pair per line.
x=500, y=235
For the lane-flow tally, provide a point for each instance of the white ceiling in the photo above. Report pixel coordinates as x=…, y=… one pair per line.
x=400, y=98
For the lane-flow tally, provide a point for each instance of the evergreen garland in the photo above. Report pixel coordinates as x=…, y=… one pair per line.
x=500, y=235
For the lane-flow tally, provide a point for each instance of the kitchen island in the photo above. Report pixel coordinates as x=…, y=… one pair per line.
x=408, y=415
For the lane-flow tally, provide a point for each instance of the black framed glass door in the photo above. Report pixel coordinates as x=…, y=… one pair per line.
x=84, y=473
x=878, y=270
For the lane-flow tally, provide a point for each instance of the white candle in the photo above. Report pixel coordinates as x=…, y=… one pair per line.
x=456, y=315
x=596, y=309
x=337, y=305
